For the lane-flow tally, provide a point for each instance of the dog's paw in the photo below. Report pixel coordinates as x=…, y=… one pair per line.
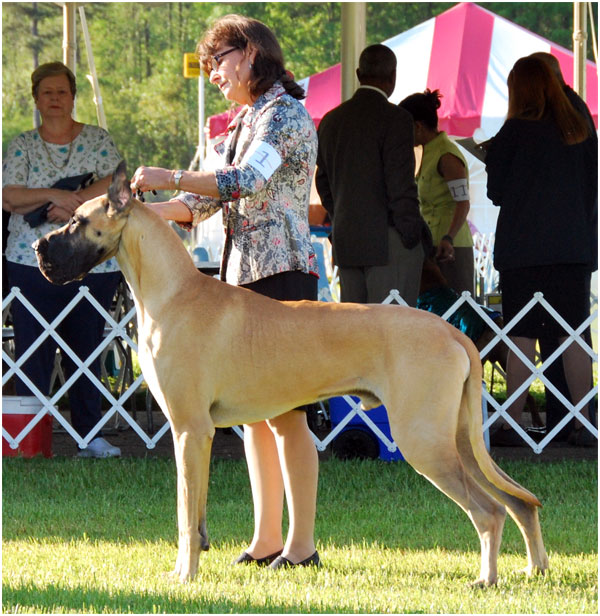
x=483, y=583
x=534, y=570
x=182, y=576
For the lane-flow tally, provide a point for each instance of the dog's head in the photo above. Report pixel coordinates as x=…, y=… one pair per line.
x=90, y=237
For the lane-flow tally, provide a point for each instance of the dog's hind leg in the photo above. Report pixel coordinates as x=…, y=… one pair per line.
x=523, y=509
x=524, y=514
x=192, y=454
x=433, y=454
x=486, y=514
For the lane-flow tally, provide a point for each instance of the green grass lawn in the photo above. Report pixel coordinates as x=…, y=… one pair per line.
x=99, y=536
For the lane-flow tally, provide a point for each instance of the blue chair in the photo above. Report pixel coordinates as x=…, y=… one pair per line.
x=201, y=253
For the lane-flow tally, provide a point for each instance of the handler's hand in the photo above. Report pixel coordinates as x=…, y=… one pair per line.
x=65, y=199
x=59, y=214
x=445, y=252
x=151, y=178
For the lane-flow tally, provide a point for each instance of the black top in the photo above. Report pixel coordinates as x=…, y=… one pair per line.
x=548, y=195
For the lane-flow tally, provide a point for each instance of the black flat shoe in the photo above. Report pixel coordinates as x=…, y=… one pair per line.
x=283, y=563
x=246, y=559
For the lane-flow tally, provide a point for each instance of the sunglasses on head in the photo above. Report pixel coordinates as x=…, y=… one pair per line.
x=215, y=60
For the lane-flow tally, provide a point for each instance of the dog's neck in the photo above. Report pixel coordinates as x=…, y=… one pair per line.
x=145, y=238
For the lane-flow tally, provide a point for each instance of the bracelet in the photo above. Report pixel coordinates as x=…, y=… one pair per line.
x=448, y=238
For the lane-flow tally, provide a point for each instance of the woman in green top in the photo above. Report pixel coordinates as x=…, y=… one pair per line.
x=443, y=183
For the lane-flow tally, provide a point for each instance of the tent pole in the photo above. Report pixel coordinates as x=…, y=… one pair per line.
x=93, y=77
x=353, y=42
x=594, y=41
x=200, y=151
x=69, y=41
x=579, y=47
x=69, y=35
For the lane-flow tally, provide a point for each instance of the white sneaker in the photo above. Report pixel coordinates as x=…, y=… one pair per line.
x=99, y=448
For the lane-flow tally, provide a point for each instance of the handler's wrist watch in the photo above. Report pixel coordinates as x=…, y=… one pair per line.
x=177, y=178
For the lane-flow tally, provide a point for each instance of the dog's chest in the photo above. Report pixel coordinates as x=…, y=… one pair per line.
x=149, y=343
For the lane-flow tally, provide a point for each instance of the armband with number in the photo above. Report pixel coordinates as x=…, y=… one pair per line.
x=459, y=189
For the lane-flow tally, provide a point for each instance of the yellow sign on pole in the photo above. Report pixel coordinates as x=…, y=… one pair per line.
x=191, y=66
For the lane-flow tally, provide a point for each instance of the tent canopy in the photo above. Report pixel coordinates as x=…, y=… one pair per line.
x=467, y=53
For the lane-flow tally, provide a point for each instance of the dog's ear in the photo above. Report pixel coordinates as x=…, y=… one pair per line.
x=119, y=191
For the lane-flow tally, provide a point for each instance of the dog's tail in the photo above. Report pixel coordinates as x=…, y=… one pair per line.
x=472, y=405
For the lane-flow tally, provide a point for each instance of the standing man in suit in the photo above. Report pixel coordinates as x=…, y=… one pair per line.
x=366, y=181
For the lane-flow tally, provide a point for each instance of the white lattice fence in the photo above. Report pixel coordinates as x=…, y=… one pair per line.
x=119, y=330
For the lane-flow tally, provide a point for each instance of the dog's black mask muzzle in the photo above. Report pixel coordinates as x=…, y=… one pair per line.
x=64, y=258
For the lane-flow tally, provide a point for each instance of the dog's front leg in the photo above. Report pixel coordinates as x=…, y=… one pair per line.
x=192, y=451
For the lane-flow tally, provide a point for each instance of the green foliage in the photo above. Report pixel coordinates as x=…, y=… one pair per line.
x=151, y=109
x=552, y=21
x=97, y=536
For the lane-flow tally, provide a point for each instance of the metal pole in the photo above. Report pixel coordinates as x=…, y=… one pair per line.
x=69, y=36
x=201, y=121
x=353, y=42
x=579, y=47
x=93, y=77
x=593, y=27
x=69, y=42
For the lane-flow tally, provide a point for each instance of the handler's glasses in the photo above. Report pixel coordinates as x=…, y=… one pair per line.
x=215, y=61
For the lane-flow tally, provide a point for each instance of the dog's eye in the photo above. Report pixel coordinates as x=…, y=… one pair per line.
x=98, y=233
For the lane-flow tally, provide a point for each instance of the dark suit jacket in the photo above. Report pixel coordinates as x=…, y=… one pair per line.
x=365, y=178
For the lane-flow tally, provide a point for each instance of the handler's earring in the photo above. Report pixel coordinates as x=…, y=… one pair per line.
x=250, y=65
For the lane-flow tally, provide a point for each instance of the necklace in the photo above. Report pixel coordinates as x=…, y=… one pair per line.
x=50, y=154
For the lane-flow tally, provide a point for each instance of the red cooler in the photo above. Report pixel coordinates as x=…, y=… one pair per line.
x=17, y=412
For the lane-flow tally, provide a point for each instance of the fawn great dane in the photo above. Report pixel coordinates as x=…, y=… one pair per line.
x=216, y=355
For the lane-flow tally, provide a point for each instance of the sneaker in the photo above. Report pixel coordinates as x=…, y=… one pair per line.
x=99, y=448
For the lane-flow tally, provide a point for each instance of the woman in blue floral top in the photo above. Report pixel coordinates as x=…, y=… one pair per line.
x=60, y=148
x=263, y=191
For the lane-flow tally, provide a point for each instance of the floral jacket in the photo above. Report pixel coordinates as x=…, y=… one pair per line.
x=264, y=189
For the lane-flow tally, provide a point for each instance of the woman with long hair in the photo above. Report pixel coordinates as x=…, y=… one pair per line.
x=542, y=171
x=263, y=190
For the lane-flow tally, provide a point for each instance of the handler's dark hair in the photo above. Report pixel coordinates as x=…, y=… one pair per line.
x=423, y=107
x=247, y=33
x=51, y=69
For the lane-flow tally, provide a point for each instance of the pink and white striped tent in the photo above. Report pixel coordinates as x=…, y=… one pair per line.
x=466, y=53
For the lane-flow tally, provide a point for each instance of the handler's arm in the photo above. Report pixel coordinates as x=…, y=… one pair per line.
x=155, y=178
x=172, y=210
x=324, y=188
x=96, y=189
x=451, y=168
x=22, y=200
